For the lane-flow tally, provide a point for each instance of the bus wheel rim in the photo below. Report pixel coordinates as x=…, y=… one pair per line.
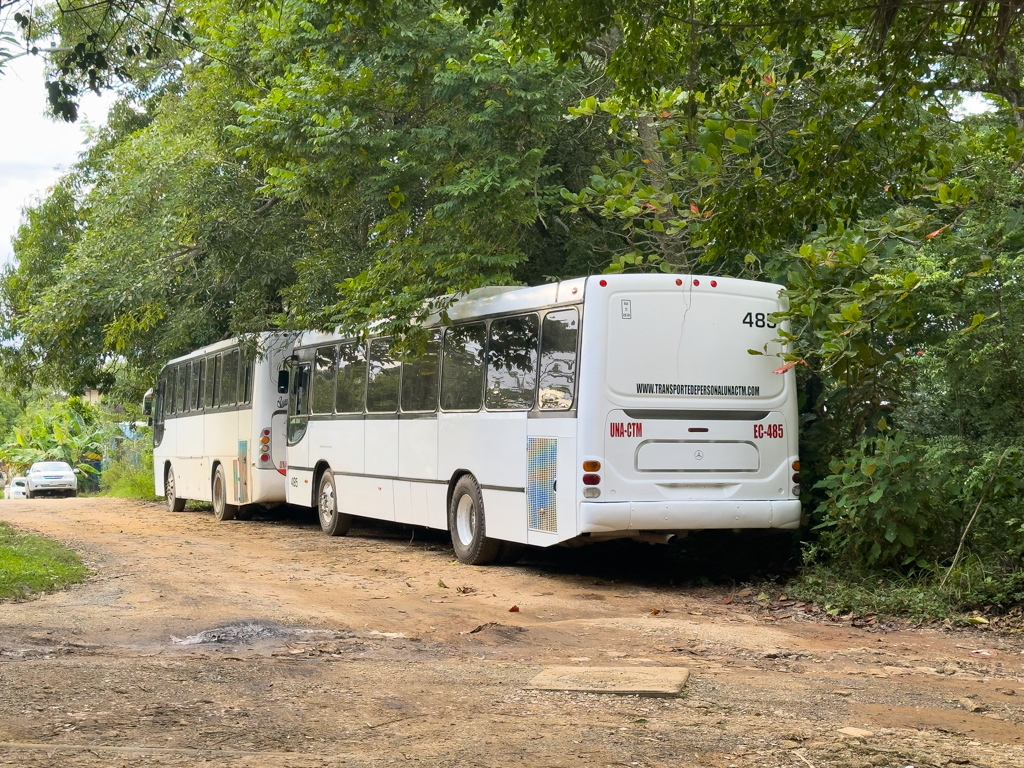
x=465, y=519
x=326, y=503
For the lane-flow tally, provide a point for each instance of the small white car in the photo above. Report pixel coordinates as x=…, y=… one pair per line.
x=52, y=477
x=16, y=489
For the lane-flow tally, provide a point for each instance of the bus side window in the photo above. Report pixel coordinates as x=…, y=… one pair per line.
x=218, y=377
x=229, y=376
x=179, y=390
x=512, y=363
x=188, y=387
x=248, y=365
x=558, y=359
x=462, y=375
x=351, y=378
x=201, y=395
x=383, y=377
x=158, y=410
x=211, y=381
x=195, y=398
x=323, y=379
x=419, y=378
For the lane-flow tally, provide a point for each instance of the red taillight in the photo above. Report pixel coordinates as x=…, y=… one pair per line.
x=697, y=429
x=796, y=478
x=264, y=457
x=266, y=433
x=591, y=479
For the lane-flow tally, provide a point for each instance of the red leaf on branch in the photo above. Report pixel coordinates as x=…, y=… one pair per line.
x=694, y=209
x=791, y=364
x=936, y=233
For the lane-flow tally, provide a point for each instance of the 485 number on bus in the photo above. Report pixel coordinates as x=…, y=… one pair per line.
x=767, y=430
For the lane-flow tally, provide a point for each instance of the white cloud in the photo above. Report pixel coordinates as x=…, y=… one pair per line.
x=34, y=149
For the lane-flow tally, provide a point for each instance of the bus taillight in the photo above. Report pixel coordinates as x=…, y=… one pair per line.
x=591, y=479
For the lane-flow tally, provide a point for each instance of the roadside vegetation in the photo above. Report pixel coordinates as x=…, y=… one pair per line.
x=33, y=564
x=344, y=163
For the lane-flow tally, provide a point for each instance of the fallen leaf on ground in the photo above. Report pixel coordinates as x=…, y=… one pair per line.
x=728, y=600
x=465, y=590
x=977, y=620
x=985, y=652
x=514, y=609
x=441, y=584
x=745, y=593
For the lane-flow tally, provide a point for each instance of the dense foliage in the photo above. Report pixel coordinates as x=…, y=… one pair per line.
x=324, y=164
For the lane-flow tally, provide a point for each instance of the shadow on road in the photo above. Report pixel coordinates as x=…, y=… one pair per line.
x=701, y=558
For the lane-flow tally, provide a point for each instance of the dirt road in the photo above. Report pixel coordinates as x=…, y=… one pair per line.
x=266, y=643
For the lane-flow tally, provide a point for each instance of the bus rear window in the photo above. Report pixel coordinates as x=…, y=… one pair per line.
x=558, y=359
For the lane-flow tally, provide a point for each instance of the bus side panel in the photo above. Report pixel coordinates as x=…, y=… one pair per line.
x=221, y=448
x=381, y=459
x=506, y=515
x=491, y=446
x=417, y=460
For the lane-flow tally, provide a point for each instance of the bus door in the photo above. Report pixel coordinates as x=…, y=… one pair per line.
x=298, y=422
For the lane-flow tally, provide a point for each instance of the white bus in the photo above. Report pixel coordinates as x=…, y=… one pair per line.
x=595, y=408
x=219, y=427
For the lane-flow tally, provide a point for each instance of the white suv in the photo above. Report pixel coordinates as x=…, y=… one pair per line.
x=53, y=477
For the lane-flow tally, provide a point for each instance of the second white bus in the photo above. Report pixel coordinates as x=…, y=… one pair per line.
x=595, y=408
x=219, y=427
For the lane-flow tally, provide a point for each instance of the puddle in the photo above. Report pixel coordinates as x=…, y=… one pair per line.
x=246, y=632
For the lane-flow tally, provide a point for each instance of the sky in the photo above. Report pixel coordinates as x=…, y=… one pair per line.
x=34, y=148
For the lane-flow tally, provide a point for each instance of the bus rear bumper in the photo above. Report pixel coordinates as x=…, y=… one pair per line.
x=690, y=515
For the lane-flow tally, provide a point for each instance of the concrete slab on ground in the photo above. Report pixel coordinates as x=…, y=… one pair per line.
x=638, y=681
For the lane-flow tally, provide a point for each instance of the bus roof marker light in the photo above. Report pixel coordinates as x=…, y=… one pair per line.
x=603, y=283
x=714, y=283
x=696, y=282
x=679, y=281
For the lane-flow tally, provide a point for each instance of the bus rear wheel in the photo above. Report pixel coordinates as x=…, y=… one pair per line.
x=221, y=509
x=333, y=522
x=174, y=504
x=468, y=526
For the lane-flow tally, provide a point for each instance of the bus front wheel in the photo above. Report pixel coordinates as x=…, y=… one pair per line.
x=333, y=522
x=468, y=526
x=174, y=504
x=221, y=509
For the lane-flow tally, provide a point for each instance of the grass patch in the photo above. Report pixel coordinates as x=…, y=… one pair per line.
x=127, y=482
x=31, y=564
x=968, y=593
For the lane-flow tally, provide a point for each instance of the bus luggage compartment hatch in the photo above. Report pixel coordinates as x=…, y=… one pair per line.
x=697, y=456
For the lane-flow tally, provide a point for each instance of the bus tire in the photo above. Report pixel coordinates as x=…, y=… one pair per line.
x=174, y=504
x=332, y=521
x=221, y=509
x=468, y=526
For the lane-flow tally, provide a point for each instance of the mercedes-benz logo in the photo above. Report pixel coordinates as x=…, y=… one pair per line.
x=698, y=455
